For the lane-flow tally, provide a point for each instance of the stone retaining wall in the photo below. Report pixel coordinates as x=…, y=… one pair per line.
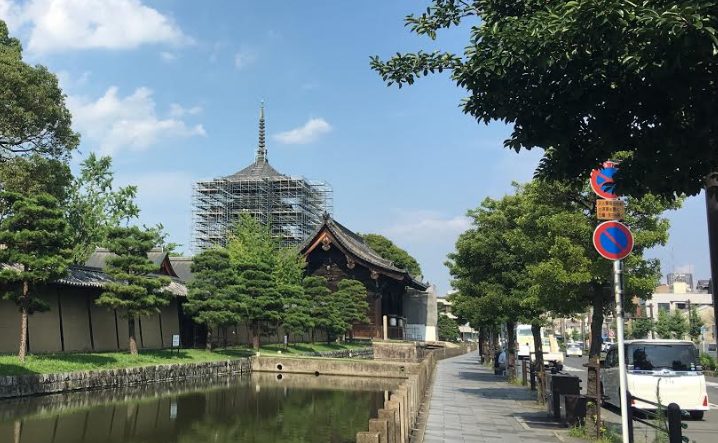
x=332, y=366
x=39, y=384
x=367, y=352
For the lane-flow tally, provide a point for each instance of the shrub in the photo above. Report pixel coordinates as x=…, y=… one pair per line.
x=707, y=361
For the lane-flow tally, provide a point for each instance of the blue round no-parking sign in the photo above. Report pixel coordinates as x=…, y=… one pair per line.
x=613, y=240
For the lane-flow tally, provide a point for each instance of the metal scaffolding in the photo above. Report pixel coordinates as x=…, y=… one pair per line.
x=292, y=206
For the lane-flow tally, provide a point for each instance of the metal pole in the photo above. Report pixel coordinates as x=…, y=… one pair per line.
x=711, y=192
x=618, y=291
x=675, y=432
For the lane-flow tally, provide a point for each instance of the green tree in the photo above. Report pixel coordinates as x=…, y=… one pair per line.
x=351, y=301
x=695, y=324
x=254, y=254
x=641, y=327
x=576, y=336
x=663, y=324
x=297, y=304
x=214, y=296
x=34, y=118
x=34, y=252
x=323, y=309
x=94, y=206
x=532, y=254
x=583, y=80
x=448, y=328
x=388, y=250
x=136, y=290
x=671, y=325
x=251, y=242
x=34, y=174
x=263, y=307
x=490, y=265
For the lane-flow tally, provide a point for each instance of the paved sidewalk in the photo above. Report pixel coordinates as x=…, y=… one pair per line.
x=471, y=404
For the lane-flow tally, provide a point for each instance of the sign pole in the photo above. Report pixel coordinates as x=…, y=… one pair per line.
x=618, y=292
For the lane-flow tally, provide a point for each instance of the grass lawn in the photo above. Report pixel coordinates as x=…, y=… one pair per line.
x=69, y=362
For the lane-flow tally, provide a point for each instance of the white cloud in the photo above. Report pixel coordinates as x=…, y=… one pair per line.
x=115, y=123
x=57, y=25
x=426, y=226
x=167, y=56
x=308, y=133
x=244, y=58
x=177, y=110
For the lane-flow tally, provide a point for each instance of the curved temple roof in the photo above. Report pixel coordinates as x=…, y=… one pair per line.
x=353, y=244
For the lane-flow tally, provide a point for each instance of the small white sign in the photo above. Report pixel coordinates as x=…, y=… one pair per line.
x=175, y=341
x=173, y=405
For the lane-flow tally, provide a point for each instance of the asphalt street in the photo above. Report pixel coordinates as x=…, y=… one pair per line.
x=703, y=431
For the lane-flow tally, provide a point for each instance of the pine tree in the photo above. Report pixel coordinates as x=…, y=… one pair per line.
x=34, y=239
x=135, y=290
x=323, y=309
x=288, y=274
x=254, y=253
x=261, y=299
x=695, y=324
x=215, y=294
x=350, y=300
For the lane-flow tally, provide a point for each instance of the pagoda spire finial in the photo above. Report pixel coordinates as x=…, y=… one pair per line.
x=261, y=147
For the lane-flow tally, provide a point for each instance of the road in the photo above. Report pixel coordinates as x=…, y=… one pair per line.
x=703, y=431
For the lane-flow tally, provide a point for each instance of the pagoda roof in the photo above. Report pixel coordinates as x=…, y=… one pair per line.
x=257, y=170
x=350, y=243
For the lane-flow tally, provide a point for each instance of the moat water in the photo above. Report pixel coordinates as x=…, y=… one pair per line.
x=257, y=408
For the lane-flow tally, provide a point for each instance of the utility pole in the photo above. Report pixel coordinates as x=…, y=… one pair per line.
x=623, y=382
x=712, y=216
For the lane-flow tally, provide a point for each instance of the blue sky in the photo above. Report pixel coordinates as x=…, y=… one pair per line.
x=171, y=90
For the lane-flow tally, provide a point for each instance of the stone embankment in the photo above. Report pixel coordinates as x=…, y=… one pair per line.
x=367, y=352
x=39, y=384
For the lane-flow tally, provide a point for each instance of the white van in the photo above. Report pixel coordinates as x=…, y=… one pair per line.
x=667, y=367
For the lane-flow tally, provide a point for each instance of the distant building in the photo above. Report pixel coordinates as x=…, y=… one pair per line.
x=292, y=206
x=682, y=277
x=703, y=286
x=678, y=297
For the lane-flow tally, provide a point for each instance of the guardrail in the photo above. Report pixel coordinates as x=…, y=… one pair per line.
x=673, y=426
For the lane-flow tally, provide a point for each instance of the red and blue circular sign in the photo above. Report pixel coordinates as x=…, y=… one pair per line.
x=602, y=181
x=613, y=240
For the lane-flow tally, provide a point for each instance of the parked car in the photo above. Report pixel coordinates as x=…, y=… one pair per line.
x=574, y=350
x=668, y=366
x=606, y=345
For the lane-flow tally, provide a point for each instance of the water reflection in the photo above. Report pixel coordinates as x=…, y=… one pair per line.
x=259, y=408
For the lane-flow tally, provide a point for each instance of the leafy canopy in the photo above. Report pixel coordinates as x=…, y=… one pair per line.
x=530, y=254
x=388, y=250
x=448, y=328
x=34, y=174
x=34, y=117
x=585, y=80
x=94, y=205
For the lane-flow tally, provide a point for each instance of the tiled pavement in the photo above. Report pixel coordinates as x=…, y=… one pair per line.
x=470, y=404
